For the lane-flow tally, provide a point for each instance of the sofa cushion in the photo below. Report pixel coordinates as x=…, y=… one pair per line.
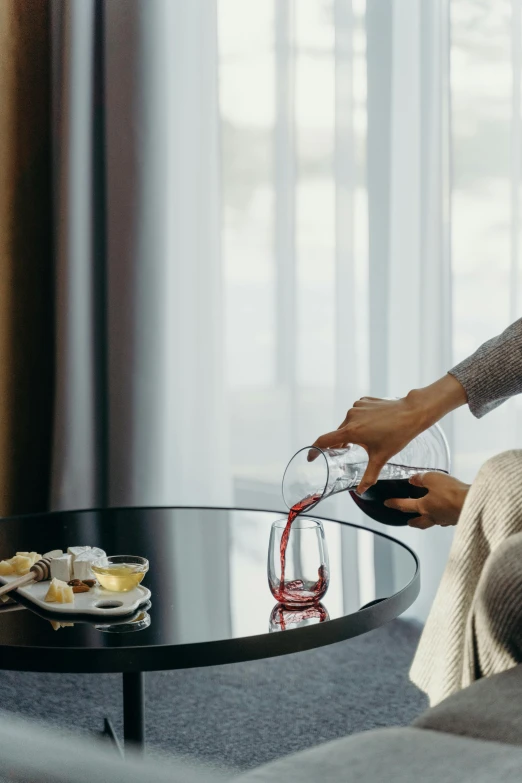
x=490, y=709
x=396, y=756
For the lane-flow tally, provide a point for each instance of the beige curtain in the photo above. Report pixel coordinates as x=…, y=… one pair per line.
x=26, y=279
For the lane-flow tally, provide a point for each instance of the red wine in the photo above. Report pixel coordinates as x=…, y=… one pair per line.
x=372, y=502
x=298, y=591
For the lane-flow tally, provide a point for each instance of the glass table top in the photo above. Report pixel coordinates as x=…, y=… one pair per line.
x=208, y=579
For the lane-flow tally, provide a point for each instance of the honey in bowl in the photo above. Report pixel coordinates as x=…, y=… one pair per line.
x=120, y=573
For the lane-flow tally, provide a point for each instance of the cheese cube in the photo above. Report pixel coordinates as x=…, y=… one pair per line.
x=76, y=551
x=6, y=568
x=59, y=592
x=83, y=566
x=61, y=568
x=54, y=553
x=21, y=564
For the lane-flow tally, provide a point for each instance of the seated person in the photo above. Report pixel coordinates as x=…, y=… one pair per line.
x=473, y=627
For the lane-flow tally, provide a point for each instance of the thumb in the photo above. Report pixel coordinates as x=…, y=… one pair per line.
x=371, y=475
x=418, y=480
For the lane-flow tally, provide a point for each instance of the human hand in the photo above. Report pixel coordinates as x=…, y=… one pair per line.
x=381, y=427
x=384, y=427
x=440, y=506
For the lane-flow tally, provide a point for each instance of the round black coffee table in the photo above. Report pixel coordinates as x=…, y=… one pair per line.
x=210, y=598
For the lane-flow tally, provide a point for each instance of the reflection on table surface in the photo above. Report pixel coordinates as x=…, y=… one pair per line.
x=283, y=619
x=137, y=621
x=207, y=573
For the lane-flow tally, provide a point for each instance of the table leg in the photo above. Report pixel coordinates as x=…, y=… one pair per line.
x=134, y=708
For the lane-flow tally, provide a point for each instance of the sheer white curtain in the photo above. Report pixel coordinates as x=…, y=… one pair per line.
x=371, y=221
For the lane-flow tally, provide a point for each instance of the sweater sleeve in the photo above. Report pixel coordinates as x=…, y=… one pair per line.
x=493, y=373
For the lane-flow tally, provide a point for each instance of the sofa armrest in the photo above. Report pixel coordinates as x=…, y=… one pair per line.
x=30, y=753
x=490, y=709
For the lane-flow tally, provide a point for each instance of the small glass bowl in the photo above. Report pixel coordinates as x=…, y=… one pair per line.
x=120, y=573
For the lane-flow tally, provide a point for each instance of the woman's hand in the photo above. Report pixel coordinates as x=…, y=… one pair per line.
x=440, y=506
x=384, y=427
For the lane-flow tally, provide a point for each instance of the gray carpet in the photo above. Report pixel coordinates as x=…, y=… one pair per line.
x=245, y=714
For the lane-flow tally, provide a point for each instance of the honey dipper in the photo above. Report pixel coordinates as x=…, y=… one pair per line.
x=39, y=572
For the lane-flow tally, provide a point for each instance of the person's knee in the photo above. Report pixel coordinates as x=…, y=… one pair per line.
x=500, y=466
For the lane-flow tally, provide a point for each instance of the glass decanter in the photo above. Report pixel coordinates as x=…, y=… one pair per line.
x=306, y=482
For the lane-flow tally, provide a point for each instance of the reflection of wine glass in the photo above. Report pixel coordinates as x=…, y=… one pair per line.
x=298, y=565
x=282, y=619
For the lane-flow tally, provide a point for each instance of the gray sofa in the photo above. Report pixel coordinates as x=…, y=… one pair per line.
x=472, y=737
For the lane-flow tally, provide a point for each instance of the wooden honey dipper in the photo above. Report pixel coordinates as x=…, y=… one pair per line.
x=39, y=572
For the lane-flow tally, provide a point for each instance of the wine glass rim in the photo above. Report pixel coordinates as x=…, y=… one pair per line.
x=300, y=523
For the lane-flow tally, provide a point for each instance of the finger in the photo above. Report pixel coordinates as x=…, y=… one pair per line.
x=421, y=523
x=408, y=505
x=371, y=475
x=331, y=440
x=345, y=443
x=425, y=478
x=357, y=404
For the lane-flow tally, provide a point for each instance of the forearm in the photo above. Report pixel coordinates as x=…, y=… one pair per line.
x=432, y=402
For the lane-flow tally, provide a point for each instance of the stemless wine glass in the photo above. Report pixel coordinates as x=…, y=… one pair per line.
x=298, y=575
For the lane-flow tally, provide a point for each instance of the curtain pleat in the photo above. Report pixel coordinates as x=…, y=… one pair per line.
x=79, y=440
x=26, y=261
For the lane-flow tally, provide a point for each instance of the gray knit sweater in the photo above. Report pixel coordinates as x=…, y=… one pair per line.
x=493, y=373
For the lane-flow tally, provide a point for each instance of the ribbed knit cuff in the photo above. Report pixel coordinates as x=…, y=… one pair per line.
x=493, y=373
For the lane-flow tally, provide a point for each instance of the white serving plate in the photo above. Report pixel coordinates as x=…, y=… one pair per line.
x=92, y=603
